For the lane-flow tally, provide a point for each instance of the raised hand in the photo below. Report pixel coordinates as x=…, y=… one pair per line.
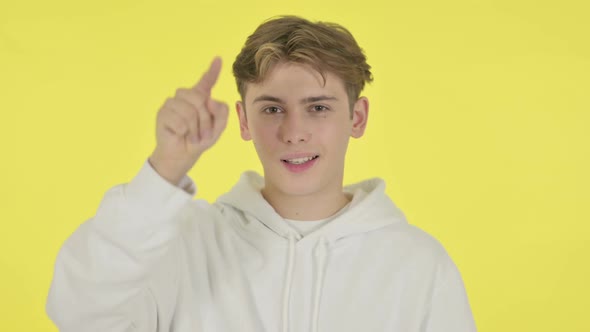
x=187, y=125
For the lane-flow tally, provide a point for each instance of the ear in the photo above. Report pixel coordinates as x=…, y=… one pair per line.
x=360, y=115
x=244, y=131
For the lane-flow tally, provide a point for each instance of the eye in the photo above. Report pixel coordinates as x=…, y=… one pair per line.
x=319, y=108
x=271, y=110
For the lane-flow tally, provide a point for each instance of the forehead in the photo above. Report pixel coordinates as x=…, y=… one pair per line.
x=288, y=80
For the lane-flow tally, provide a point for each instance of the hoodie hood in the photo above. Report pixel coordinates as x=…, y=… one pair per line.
x=370, y=208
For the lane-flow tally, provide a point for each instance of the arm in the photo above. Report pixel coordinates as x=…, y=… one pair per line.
x=449, y=307
x=119, y=270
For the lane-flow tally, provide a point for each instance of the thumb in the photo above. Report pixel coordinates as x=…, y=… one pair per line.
x=219, y=112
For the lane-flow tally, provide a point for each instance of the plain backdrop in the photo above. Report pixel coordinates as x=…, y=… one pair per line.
x=479, y=122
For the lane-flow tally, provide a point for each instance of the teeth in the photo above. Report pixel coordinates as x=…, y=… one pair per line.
x=298, y=161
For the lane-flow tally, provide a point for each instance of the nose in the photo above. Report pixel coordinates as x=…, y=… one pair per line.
x=294, y=129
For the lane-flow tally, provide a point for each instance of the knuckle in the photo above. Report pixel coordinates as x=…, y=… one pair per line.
x=168, y=122
x=198, y=97
x=181, y=127
x=162, y=114
x=204, y=117
x=170, y=104
x=183, y=108
x=181, y=93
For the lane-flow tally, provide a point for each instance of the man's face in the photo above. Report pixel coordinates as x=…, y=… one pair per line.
x=300, y=129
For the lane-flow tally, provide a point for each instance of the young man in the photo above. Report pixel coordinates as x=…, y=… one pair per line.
x=291, y=251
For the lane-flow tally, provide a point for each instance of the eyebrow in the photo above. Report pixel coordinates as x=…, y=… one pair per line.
x=302, y=101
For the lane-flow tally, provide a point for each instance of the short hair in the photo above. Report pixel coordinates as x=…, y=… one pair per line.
x=326, y=47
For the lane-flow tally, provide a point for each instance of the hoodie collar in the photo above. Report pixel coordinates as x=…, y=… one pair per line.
x=372, y=210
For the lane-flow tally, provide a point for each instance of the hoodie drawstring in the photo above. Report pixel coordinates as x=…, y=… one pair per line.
x=287, y=292
x=320, y=252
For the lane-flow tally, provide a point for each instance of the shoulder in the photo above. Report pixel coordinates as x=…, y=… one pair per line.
x=413, y=236
x=415, y=244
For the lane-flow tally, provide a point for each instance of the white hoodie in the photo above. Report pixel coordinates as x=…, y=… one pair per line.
x=155, y=259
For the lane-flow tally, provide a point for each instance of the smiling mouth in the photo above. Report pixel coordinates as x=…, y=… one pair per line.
x=299, y=161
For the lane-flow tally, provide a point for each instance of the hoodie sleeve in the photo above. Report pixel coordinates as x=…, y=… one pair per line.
x=119, y=270
x=449, y=306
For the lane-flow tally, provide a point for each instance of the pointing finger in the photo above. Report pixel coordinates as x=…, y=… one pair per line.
x=208, y=79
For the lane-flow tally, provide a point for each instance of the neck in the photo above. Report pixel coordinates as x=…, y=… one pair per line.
x=306, y=207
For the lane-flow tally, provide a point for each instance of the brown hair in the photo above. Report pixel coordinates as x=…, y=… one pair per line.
x=326, y=47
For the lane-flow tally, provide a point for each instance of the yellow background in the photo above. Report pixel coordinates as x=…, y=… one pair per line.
x=479, y=122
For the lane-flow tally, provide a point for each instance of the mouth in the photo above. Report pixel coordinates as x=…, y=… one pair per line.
x=300, y=161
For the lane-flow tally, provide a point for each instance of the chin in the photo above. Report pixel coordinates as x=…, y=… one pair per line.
x=301, y=184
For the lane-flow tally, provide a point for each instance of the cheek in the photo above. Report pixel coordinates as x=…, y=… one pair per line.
x=333, y=131
x=264, y=137
x=335, y=138
x=262, y=132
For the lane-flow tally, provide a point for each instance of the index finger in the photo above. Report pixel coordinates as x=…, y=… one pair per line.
x=209, y=78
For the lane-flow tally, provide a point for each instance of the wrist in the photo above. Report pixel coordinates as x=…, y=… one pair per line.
x=167, y=171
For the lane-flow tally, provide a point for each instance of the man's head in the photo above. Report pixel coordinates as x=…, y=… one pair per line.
x=326, y=47
x=300, y=84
